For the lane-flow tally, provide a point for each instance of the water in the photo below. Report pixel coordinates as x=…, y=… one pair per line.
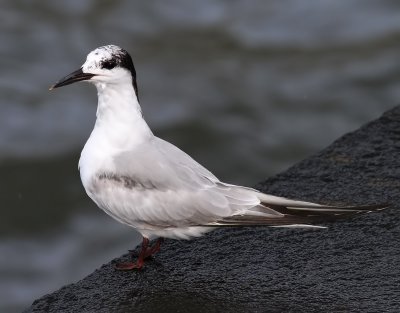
x=247, y=88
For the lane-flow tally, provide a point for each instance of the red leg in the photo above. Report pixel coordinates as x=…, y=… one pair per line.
x=145, y=252
x=154, y=249
x=127, y=266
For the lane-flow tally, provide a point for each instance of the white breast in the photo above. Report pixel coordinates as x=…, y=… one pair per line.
x=119, y=127
x=96, y=156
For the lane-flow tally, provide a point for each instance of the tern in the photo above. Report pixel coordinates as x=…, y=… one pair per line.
x=156, y=188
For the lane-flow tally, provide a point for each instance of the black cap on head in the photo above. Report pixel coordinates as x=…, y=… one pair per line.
x=105, y=57
x=121, y=58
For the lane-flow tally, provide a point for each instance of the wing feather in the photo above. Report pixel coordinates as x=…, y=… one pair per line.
x=158, y=186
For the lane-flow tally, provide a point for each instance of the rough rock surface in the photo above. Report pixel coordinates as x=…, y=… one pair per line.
x=354, y=266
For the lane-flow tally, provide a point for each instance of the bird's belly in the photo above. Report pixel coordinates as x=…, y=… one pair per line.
x=138, y=212
x=151, y=211
x=176, y=232
x=125, y=208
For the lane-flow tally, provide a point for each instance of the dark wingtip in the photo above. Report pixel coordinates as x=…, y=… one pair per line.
x=374, y=207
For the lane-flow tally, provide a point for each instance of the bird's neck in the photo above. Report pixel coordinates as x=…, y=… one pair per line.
x=119, y=116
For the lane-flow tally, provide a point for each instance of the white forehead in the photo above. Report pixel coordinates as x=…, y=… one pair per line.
x=100, y=54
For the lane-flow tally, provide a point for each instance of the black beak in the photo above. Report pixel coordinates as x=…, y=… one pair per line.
x=72, y=78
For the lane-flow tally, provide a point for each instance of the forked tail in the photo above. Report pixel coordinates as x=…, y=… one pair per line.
x=292, y=213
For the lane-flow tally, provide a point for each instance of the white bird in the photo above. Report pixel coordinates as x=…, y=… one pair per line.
x=153, y=186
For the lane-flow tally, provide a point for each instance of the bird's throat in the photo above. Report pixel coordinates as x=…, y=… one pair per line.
x=119, y=116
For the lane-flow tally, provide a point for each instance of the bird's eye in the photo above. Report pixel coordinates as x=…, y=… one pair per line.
x=108, y=64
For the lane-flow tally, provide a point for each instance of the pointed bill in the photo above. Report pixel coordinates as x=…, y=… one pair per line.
x=74, y=77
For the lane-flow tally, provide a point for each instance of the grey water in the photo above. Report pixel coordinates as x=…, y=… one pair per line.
x=247, y=88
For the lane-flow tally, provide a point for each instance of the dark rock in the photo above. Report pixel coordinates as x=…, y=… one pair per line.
x=354, y=266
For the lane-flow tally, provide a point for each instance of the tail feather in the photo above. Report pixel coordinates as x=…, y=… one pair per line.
x=294, y=213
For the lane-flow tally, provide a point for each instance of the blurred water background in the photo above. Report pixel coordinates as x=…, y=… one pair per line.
x=246, y=87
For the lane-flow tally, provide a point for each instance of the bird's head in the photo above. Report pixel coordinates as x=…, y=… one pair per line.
x=105, y=65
